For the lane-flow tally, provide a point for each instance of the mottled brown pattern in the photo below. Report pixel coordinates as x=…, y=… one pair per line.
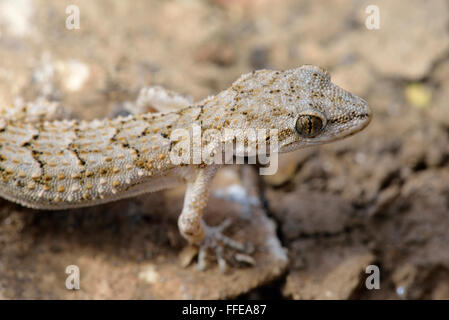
x=70, y=164
x=64, y=164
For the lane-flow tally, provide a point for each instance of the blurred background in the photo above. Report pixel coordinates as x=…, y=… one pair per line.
x=378, y=198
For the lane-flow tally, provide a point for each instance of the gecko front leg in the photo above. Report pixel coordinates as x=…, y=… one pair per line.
x=192, y=226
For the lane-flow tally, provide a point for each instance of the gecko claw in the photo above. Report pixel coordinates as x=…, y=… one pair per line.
x=217, y=242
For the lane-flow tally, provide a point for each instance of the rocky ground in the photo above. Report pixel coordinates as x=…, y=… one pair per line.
x=378, y=198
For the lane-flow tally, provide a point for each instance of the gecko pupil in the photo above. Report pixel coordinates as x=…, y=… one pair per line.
x=309, y=126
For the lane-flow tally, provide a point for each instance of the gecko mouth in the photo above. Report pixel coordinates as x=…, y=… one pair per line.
x=357, y=123
x=359, y=118
x=365, y=115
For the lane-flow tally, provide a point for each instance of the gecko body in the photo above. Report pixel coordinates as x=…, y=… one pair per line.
x=70, y=164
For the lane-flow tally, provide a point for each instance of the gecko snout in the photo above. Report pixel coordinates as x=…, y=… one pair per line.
x=365, y=112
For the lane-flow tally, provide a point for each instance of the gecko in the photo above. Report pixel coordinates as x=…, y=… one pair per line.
x=61, y=164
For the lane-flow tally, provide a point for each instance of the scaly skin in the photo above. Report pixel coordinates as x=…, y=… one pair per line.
x=70, y=164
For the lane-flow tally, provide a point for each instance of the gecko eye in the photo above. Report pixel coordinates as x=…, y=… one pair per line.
x=309, y=125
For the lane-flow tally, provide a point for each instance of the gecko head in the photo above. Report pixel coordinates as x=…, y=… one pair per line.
x=303, y=105
x=325, y=112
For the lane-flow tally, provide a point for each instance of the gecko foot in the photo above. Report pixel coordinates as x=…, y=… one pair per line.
x=215, y=240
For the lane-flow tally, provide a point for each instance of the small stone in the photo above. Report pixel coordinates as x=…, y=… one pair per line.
x=418, y=95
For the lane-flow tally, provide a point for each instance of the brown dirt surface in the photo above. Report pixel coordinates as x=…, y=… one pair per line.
x=378, y=198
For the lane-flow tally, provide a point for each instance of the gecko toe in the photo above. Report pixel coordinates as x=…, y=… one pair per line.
x=225, y=249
